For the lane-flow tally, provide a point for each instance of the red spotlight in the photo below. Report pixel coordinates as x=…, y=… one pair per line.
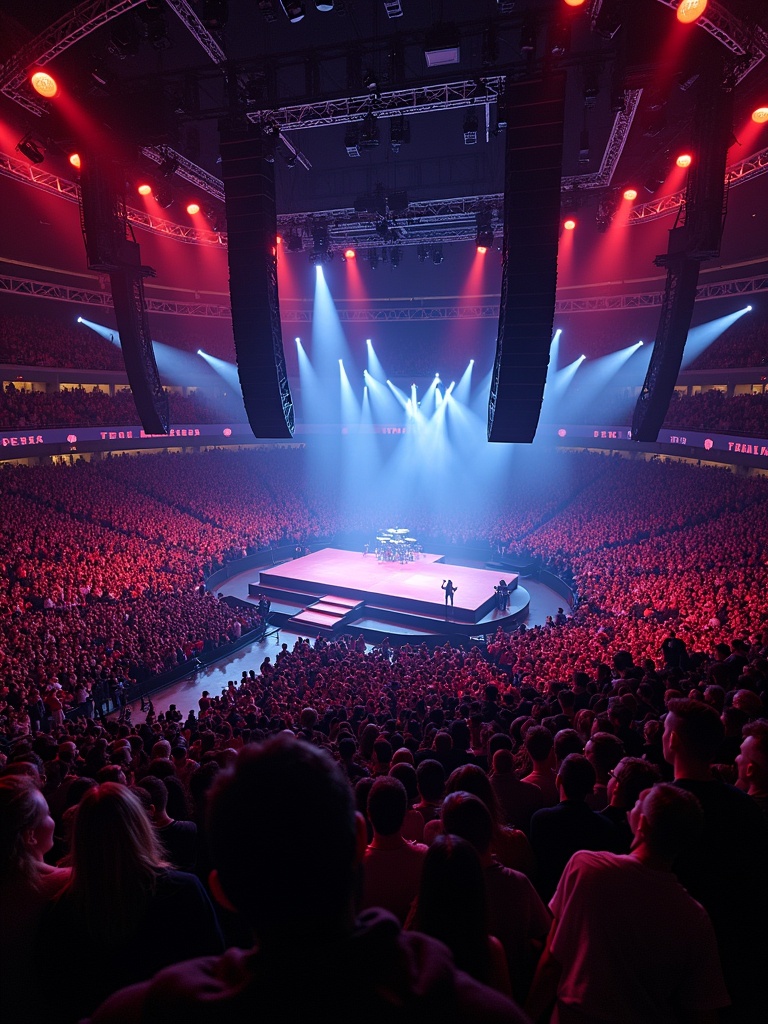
x=279, y=239
x=630, y=194
x=193, y=208
x=44, y=84
x=145, y=190
x=760, y=116
x=482, y=249
x=74, y=159
x=349, y=254
x=569, y=224
x=691, y=10
x=575, y=3
x=684, y=160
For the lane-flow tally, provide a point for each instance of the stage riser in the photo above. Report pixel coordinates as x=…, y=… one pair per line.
x=280, y=587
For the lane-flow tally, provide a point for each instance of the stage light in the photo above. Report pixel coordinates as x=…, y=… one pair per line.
x=630, y=194
x=294, y=10
x=31, y=149
x=760, y=116
x=437, y=255
x=193, y=208
x=349, y=254
x=144, y=190
x=74, y=159
x=482, y=250
x=200, y=352
x=324, y=5
x=569, y=224
x=79, y=320
x=749, y=309
x=684, y=160
x=575, y=3
x=44, y=84
x=691, y=10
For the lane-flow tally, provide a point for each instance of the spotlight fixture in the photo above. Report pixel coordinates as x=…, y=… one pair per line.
x=45, y=85
x=369, y=132
x=74, y=159
x=144, y=189
x=193, y=208
x=606, y=211
x=630, y=194
x=153, y=26
x=295, y=241
x=349, y=254
x=691, y=10
x=470, y=129
x=320, y=245
x=575, y=3
x=760, y=115
x=437, y=255
x=31, y=149
x=393, y=8
x=399, y=133
x=324, y=5
x=684, y=160
x=569, y=224
x=484, y=236
x=294, y=10
x=370, y=81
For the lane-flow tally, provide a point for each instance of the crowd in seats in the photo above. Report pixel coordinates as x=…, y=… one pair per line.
x=35, y=340
x=77, y=407
x=742, y=344
x=714, y=410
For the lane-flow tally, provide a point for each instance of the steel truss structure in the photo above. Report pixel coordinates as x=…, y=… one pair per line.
x=439, y=220
x=593, y=304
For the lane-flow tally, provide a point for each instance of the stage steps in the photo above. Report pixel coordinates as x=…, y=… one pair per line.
x=327, y=614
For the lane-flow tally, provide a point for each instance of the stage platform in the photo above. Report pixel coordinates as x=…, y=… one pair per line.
x=334, y=590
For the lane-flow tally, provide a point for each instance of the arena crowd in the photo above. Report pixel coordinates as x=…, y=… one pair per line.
x=577, y=811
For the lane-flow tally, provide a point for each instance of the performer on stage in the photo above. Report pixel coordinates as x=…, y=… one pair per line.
x=450, y=590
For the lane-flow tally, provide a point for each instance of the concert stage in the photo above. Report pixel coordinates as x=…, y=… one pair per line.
x=338, y=591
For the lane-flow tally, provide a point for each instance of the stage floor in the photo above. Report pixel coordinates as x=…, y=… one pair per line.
x=411, y=586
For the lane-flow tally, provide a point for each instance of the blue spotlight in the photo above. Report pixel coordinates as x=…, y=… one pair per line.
x=200, y=352
x=298, y=341
x=79, y=319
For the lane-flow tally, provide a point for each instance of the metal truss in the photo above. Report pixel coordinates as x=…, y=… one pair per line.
x=613, y=150
x=732, y=33
x=87, y=297
x=594, y=304
x=55, y=39
x=737, y=174
x=187, y=170
x=194, y=25
x=417, y=100
x=31, y=174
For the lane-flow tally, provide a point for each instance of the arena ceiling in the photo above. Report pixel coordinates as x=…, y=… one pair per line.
x=161, y=74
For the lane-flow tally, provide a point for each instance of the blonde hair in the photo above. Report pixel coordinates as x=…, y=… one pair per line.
x=116, y=858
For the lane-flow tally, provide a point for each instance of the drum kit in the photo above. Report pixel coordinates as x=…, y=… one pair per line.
x=395, y=545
